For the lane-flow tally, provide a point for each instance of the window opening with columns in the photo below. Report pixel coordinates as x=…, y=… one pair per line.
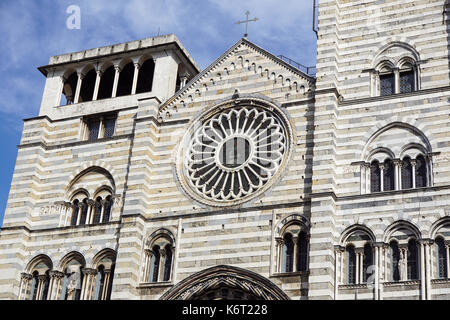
x=158, y=257
x=292, y=247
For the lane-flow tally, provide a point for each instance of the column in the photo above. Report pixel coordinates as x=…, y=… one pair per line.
x=338, y=250
x=397, y=79
x=398, y=174
x=97, y=84
x=69, y=211
x=280, y=243
x=447, y=247
x=90, y=212
x=41, y=278
x=137, y=66
x=162, y=262
x=377, y=248
x=358, y=278
x=429, y=273
x=80, y=208
x=102, y=213
x=295, y=241
x=55, y=279
x=423, y=277
x=363, y=178
x=413, y=165
x=367, y=177
x=78, y=90
x=381, y=177
x=106, y=285
x=116, y=80
x=403, y=262
x=24, y=285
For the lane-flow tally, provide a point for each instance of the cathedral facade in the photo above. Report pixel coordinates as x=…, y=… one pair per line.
x=144, y=177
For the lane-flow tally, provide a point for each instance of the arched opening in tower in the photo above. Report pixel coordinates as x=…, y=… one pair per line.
x=145, y=79
x=126, y=80
x=106, y=84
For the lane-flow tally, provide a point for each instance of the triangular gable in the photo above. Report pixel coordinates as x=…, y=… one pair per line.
x=299, y=78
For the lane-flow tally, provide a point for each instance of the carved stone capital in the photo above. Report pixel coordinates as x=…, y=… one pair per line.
x=26, y=276
x=42, y=277
x=56, y=274
x=89, y=271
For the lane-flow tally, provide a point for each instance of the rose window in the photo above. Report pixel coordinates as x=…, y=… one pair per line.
x=233, y=154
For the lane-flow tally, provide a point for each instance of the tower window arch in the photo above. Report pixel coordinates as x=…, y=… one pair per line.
x=406, y=173
x=158, y=258
x=351, y=264
x=387, y=81
x=375, y=177
x=421, y=172
x=292, y=248
x=441, y=258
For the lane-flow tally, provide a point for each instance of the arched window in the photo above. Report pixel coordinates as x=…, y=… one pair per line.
x=145, y=79
x=106, y=83
x=351, y=264
x=104, y=263
x=407, y=177
x=412, y=260
x=441, y=258
x=167, y=262
x=421, y=172
x=288, y=253
x=154, y=264
x=73, y=280
x=375, y=177
x=34, y=286
x=107, y=209
x=84, y=211
x=159, y=257
x=97, y=210
x=388, y=176
x=75, y=211
x=395, y=261
x=88, y=86
x=125, y=84
x=302, y=251
x=407, y=79
x=100, y=283
x=70, y=87
x=387, y=82
x=367, y=262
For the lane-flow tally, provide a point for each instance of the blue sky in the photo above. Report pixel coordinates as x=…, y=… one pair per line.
x=33, y=30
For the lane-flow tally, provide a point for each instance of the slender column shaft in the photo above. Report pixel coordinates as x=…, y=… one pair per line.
x=135, y=77
x=295, y=240
x=97, y=85
x=422, y=272
x=377, y=272
x=116, y=81
x=78, y=90
x=448, y=261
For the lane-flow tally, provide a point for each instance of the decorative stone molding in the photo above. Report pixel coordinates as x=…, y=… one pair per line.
x=227, y=276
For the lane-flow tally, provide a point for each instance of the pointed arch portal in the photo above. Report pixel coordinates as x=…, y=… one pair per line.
x=225, y=283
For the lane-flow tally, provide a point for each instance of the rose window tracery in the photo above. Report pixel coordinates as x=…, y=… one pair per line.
x=233, y=154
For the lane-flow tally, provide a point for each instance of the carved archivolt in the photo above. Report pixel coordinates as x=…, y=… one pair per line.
x=225, y=277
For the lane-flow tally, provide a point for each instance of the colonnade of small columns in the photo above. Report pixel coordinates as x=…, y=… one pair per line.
x=381, y=272
x=163, y=260
x=279, y=244
x=56, y=283
x=69, y=209
x=365, y=177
